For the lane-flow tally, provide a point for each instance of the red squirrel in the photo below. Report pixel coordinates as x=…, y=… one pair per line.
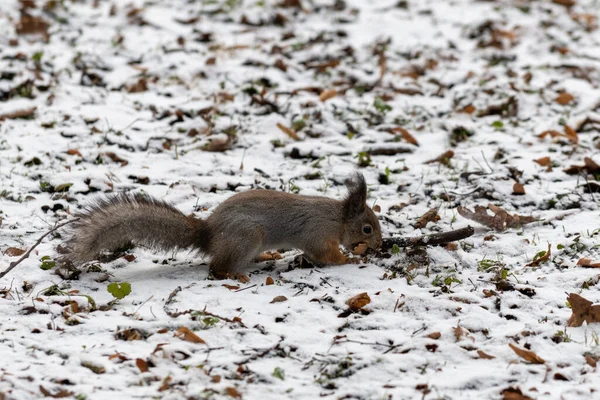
x=237, y=231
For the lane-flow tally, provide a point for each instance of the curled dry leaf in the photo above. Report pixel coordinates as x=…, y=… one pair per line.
x=527, y=355
x=501, y=221
x=269, y=281
x=405, y=135
x=288, y=131
x=359, y=301
x=586, y=262
x=583, y=310
x=184, y=333
x=429, y=216
x=442, y=159
x=278, y=299
x=360, y=249
x=484, y=355
x=327, y=94
x=542, y=259
x=231, y=287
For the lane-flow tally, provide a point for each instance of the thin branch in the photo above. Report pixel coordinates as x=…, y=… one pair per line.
x=24, y=256
x=428, y=240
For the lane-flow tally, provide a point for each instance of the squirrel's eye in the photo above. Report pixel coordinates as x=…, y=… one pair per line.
x=367, y=229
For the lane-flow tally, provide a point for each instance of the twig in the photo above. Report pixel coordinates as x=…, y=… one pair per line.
x=246, y=288
x=24, y=256
x=428, y=240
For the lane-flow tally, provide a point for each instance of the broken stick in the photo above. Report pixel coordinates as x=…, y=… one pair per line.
x=428, y=240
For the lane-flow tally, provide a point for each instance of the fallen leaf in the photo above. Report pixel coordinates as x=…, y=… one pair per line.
x=114, y=157
x=359, y=301
x=327, y=94
x=25, y=113
x=564, y=98
x=62, y=393
x=470, y=109
x=514, y=394
x=288, y=131
x=269, y=281
x=430, y=216
x=218, y=144
x=13, y=252
x=278, y=299
x=501, y=220
x=592, y=362
x=459, y=332
x=405, y=135
x=586, y=262
x=484, y=355
x=141, y=364
x=231, y=287
x=74, y=152
x=95, y=368
x=542, y=259
x=434, y=335
x=442, y=159
x=583, y=310
x=186, y=334
x=527, y=355
x=233, y=392
x=518, y=189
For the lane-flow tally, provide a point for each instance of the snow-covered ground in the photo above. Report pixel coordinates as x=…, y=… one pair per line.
x=131, y=96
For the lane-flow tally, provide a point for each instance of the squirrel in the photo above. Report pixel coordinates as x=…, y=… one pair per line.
x=236, y=232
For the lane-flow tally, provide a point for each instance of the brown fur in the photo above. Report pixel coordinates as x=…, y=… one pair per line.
x=237, y=231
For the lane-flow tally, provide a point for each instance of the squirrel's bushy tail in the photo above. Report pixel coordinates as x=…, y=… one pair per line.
x=138, y=219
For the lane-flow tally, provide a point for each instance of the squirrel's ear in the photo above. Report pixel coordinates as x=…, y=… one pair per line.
x=356, y=201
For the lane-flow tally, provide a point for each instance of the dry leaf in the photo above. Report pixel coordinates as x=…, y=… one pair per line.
x=501, y=221
x=514, y=394
x=571, y=134
x=269, y=281
x=141, y=364
x=74, y=152
x=13, y=252
x=360, y=249
x=586, y=262
x=233, y=392
x=592, y=362
x=231, y=287
x=186, y=334
x=116, y=158
x=217, y=144
x=459, y=332
x=376, y=208
x=434, y=335
x=327, y=94
x=442, y=159
x=470, y=109
x=583, y=310
x=484, y=355
x=359, y=301
x=429, y=216
x=25, y=113
x=288, y=131
x=140, y=86
x=278, y=299
x=527, y=355
x=518, y=189
x=564, y=98
x=405, y=135
x=542, y=259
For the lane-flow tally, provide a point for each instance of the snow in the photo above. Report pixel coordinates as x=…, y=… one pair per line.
x=319, y=349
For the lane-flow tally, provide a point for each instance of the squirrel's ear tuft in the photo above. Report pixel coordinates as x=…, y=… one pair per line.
x=356, y=202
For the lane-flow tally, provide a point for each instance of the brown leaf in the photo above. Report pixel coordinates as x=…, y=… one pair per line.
x=186, y=334
x=140, y=86
x=527, y=355
x=542, y=259
x=484, y=355
x=141, y=364
x=31, y=25
x=359, y=301
x=74, y=152
x=269, y=281
x=218, y=144
x=116, y=158
x=429, y=216
x=327, y=94
x=25, y=113
x=514, y=394
x=470, y=109
x=278, y=299
x=459, y=332
x=501, y=221
x=231, y=287
x=566, y=3
x=166, y=384
x=586, y=262
x=95, y=368
x=405, y=135
x=591, y=166
x=564, y=98
x=13, y=252
x=434, y=335
x=592, y=362
x=583, y=310
x=571, y=134
x=233, y=392
x=62, y=393
x=442, y=159
x=360, y=249
x=518, y=189
x=288, y=131
x=545, y=162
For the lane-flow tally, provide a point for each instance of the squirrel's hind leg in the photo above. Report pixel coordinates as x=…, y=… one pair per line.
x=230, y=255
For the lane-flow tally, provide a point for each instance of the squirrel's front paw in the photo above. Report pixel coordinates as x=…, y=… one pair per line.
x=353, y=260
